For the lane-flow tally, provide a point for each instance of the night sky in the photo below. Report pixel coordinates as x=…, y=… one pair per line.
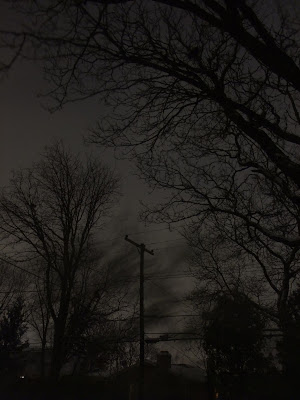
x=26, y=127
x=215, y=119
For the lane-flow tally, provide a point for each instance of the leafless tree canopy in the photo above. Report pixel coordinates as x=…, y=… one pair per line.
x=204, y=95
x=11, y=282
x=180, y=65
x=49, y=214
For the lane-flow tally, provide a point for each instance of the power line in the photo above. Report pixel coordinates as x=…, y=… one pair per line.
x=173, y=339
x=171, y=333
x=128, y=279
x=138, y=233
x=161, y=241
x=166, y=241
x=155, y=230
x=19, y=291
x=21, y=268
x=142, y=249
x=185, y=355
x=172, y=316
x=170, y=247
x=169, y=277
x=166, y=290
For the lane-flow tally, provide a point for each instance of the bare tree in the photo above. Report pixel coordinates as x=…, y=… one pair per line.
x=40, y=320
x=95, y=309
x=12, y=282
x=12, y=329
x=101, y=309
x=216, y=74
x=205, y=94
x=49, y=213
x=224, y=68
x=239, y=243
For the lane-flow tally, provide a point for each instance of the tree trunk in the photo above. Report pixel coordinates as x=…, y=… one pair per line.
x=43, y=358
x=58, y=350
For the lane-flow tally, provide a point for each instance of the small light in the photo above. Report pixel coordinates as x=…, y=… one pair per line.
x=22, y=377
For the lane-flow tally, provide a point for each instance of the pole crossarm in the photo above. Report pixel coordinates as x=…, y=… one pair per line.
x=142, y=248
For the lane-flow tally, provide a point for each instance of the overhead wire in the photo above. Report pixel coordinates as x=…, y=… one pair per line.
x=172, y=316
x=20, y=268
x=170, y=247
x=128, y=279
x=166, y=241
x=166, y=290
x=185, y=355
x=137, y=233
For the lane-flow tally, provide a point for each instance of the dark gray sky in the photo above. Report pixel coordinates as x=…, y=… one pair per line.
x=26, y=127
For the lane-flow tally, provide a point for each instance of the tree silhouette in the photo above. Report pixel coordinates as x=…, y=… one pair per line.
x=13, y=326
x=219, y=67
x=289, y=346
x=234, y=343
x=49, y=213
x=205, y=94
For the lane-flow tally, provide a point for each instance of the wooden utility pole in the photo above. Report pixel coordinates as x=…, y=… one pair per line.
x=142, y=248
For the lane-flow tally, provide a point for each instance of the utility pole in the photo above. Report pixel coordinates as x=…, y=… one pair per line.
x=142, y=248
